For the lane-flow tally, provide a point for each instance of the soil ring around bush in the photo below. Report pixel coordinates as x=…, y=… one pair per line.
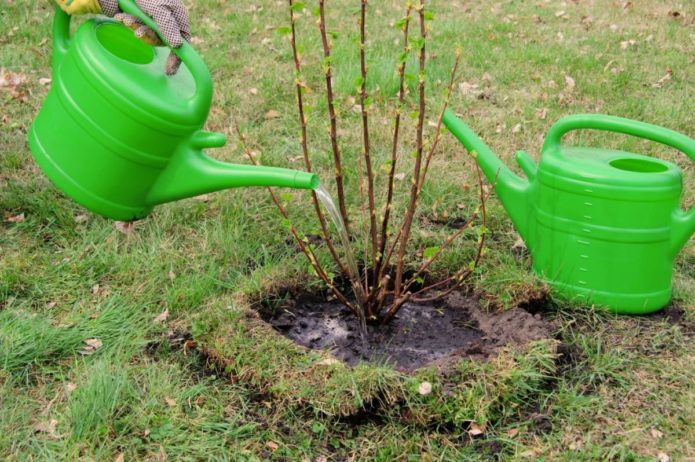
x=433, y=334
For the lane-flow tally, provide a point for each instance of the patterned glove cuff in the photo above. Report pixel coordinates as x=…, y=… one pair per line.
x=109, y=7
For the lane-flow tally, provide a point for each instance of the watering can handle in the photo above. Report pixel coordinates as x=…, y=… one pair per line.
x=195, y=64
x=620, y=125
x=684, y=222
x=188, y=55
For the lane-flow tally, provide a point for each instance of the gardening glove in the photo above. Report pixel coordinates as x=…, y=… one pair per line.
x=170, y=16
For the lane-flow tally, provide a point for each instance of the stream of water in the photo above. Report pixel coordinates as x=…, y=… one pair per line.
x=327, y=201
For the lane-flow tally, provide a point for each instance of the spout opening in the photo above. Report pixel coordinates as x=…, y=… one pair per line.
x=314, y=182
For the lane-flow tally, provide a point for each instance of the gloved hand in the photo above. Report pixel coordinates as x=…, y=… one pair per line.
x=170, y=16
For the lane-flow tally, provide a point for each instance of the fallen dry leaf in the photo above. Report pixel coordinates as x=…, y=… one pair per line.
x=624, y=45
x=10, y=80
x=82, y=218
x=425, y=388
x=70, y=387
x=48, y=428
x=272, y=445
x=162, y=456
x=327, y=362
x=15, y=218
x=399, y=176
x=203, y=198
x=656, y=434
x=170, y=402
x=95, y=289
x=476, y=430
x=517, y=128
x=91, y=345
x=120, y=457
x=542, y=113
x=125, y=227
x=45, y=81
x=660, y=83
x=513, y=432
x=253, y=91
x=469, y=88
x=663, y=457
x=570, y=83
x=162, y=317
x=272, y=114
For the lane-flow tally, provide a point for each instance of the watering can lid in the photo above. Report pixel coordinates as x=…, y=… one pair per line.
x=617, y=171
x=131, y=75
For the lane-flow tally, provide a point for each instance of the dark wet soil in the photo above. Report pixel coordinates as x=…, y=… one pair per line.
x=419, y=335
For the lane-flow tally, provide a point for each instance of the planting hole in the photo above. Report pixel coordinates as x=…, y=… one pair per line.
x=436, y=333
x=639, y=165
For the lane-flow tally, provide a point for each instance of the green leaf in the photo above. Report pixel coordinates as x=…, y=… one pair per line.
x=316, y=11
x=286, y=196
x=430, y=252
x=284, y=30
x=418, y=43
x=429, y=16
x=297, y=6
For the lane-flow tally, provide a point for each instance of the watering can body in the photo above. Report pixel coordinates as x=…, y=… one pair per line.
x=119, y=136
x=603, y=226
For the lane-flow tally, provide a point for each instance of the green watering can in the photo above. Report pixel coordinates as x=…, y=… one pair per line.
x=603, y=227
x=119, y=136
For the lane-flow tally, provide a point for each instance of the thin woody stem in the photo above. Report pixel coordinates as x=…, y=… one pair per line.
x=304, y=141
x=408, y=221
x=302, y=246
x=333, y=117
x=365, y=136
x=464, y=273
x=460, y=275
x=438, y=132
x=454, y=236
x=382, y=261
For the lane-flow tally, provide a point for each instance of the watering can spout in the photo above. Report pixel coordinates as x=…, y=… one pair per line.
x=512, y=190
x=192, y=173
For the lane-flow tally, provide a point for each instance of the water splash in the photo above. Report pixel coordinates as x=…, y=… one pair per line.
x=328, y=203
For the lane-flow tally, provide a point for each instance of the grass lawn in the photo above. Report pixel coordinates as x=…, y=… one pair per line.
x=145, y=347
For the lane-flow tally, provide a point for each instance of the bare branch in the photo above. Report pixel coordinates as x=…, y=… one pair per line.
x=408, y=221
x=307, y=251
x=328, y=72
x=365, y=136
x=383, y=262
x=438, y=132
x=304, y=141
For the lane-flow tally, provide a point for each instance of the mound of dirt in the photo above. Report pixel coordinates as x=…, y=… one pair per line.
x=421, y=334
